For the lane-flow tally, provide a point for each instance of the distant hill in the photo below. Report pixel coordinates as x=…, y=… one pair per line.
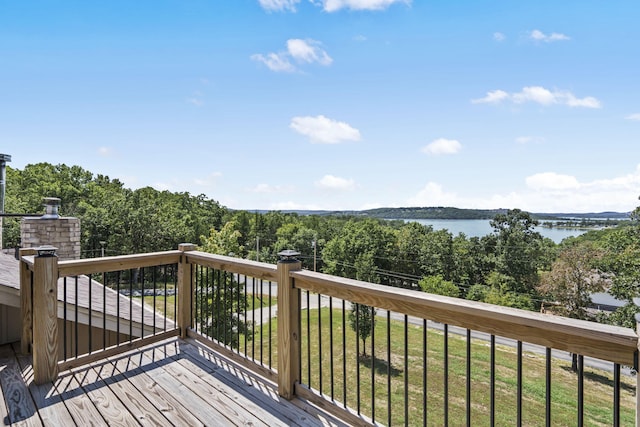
x=432, y=213
x=441, y=212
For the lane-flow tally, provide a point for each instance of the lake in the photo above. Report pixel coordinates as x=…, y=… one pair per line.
x=481, y=227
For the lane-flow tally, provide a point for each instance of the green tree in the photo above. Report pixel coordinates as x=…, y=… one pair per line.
x=225, y=241
x=362, y=319
x=437, y=285
x=518, y=249
x=365, y=241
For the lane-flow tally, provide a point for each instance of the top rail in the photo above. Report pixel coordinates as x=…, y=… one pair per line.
x=607, y=342
x=116, y=263
x=259, y=270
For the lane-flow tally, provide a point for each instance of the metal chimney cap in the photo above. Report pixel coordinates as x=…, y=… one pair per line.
x=51, y=205
x=5, y=157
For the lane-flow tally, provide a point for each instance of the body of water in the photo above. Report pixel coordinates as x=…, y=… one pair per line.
x=481, y=227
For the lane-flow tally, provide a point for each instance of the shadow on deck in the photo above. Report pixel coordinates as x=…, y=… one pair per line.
x=174, y=382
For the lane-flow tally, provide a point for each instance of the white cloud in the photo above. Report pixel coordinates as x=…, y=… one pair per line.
x=442, y=146
x=278, y=62
x=209, y=180
x=105, y=151
x=499, y=37
x=546, y=192
x=433, y=195
x=308, y=51
x=360, y=38
x=551, y=181
x=493, y=97
x=330, y=182
x=279, y=5
x=539, y=95
x=295, y=206
x=539, y=36
x=198, y=102
x=634, y=117
x=323, y=130
x=271, y=189
x=335, y=5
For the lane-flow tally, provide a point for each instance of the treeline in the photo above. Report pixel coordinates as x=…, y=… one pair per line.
x=512, y=266
x=432, y=213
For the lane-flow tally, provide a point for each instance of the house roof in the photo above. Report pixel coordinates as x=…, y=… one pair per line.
x=75, y=292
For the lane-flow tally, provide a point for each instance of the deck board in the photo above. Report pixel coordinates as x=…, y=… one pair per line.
x=20, y=407
x=51, y=407
x=174, y=382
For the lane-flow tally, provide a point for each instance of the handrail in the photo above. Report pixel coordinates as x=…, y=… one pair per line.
x=114, y=263
x=259, y=270
x=607, y=342
x=611, y=343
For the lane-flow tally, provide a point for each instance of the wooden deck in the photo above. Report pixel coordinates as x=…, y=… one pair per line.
x=175, y=382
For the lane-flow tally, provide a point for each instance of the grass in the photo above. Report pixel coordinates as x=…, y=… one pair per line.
x=257, y=301
x=407, y=375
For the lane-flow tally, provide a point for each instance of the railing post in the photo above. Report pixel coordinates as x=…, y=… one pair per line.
x=288, y=325
x=185, y=290
x=636, y=301
x=45, y=315
x=26, y=304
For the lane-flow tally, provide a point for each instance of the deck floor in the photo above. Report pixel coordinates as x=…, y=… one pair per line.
x=174, y=382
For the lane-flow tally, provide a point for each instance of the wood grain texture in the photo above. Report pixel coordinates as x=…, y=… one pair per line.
x=185, y=295
x=45, y=319
x=116, y=263
x=51, y=407
x=288, y=330
x=592, y=339
x=259, y=270
x=20, y=409
x=26, y=304
x=262, y=395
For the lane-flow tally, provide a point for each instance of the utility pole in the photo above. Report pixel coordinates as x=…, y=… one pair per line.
x=4, y=158
x=313, y=244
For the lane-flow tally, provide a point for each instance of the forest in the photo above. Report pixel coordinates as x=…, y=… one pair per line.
x=512, y=266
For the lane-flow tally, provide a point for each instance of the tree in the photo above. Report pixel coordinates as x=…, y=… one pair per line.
x=437, y=285
x=225, y=241
x=518, y=249
x=360, y=240
x=362, y=319
x=574, y=276
x=221, y=294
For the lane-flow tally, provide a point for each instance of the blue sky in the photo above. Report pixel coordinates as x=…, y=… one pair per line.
x=332, y=104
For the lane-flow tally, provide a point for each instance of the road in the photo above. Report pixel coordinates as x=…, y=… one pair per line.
x=262, y=316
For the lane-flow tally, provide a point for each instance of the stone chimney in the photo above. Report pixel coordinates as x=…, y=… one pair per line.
x=52, y=229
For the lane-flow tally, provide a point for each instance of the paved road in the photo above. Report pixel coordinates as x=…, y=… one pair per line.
x=262, y=316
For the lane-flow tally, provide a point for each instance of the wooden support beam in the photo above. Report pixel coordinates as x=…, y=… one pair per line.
x=288, y=329
x=185, y=290
x=45, y=319
x=26, y=304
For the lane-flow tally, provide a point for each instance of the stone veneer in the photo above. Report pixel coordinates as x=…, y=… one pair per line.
x=63, y=233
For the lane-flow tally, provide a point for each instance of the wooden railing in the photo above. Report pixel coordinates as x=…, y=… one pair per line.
x=318, y=358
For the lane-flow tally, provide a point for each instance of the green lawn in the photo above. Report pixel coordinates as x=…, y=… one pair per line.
x=598, y=397
x=252, y=301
